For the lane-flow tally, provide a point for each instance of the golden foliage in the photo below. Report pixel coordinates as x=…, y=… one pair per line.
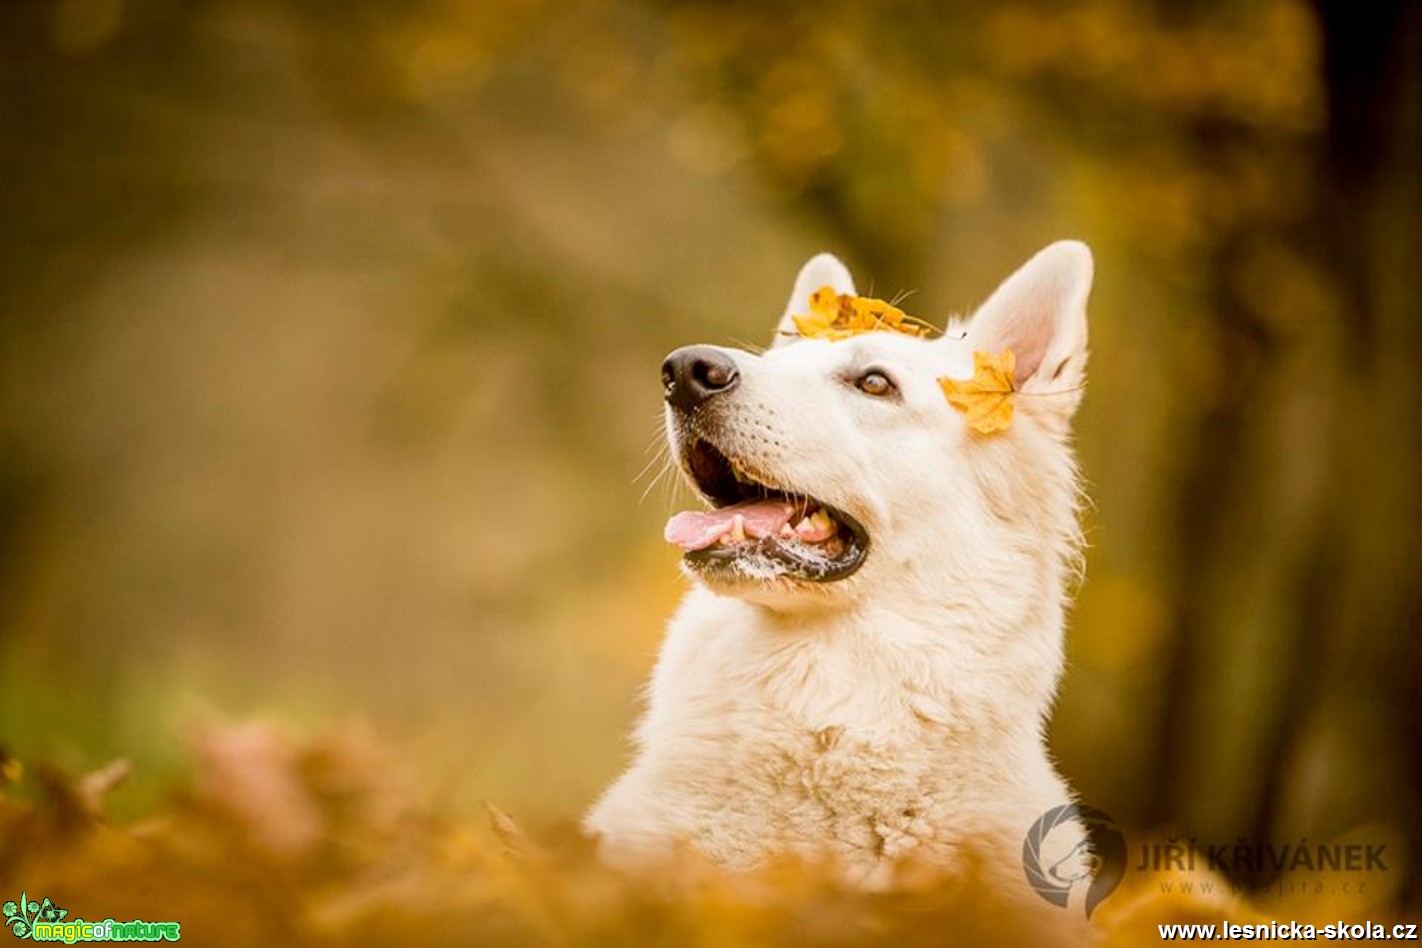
x=326, y=843
x=986, y=398
x=835, y=316
x=323, y=843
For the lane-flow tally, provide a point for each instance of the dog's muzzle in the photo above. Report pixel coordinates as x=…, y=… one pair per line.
x=693, y=374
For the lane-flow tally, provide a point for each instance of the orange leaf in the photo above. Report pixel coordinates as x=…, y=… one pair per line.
x=814, y=325
x=986, y=399
x=825, y=302
x=834, y=317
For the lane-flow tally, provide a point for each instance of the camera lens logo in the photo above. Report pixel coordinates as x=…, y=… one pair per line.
x=1098, y=860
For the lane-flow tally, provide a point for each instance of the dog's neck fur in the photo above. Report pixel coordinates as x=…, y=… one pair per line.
x=984, y=633
x=955, y=612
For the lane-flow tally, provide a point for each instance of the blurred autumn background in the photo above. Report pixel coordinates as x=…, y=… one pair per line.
x=330, y=336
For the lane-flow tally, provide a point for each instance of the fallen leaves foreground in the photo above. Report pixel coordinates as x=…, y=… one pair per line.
x=324, y=843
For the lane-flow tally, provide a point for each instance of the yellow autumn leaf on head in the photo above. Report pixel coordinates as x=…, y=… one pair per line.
x=834, y=317
x=815, y=326
x=986, y=399
x=872, y=314
x=825, y=302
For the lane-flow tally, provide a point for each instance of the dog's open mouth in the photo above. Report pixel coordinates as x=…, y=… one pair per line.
x=758, y=531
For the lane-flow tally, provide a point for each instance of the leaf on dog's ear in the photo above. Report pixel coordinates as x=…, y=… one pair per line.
x=986, y=399
x=835, y=317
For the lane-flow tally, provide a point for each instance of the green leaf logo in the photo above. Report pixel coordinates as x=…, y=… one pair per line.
x=21, y=916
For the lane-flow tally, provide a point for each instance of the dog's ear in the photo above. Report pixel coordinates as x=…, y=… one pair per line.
x=1040, y=314
x=820, y=270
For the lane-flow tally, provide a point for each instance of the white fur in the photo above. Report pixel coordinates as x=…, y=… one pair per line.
x=899, y=711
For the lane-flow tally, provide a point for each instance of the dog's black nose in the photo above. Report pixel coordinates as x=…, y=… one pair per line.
x=692, y=374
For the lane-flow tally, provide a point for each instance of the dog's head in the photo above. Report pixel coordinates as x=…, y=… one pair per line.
x=835, y=466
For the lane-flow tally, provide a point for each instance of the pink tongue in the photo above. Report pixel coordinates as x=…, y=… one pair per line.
x=698, y=529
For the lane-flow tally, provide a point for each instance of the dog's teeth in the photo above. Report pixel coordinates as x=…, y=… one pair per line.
x=787, y=531
x=815, y=528
x=738, y=528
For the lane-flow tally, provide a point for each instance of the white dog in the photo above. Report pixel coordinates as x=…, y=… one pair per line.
x=875, y=638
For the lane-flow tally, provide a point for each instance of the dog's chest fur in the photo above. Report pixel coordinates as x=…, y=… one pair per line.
x=860, y=734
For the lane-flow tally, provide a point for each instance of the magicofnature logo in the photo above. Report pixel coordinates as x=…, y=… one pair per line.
x=1097, y=859
x=45, y=921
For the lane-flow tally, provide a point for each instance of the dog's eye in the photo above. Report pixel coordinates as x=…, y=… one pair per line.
x=874, y=383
